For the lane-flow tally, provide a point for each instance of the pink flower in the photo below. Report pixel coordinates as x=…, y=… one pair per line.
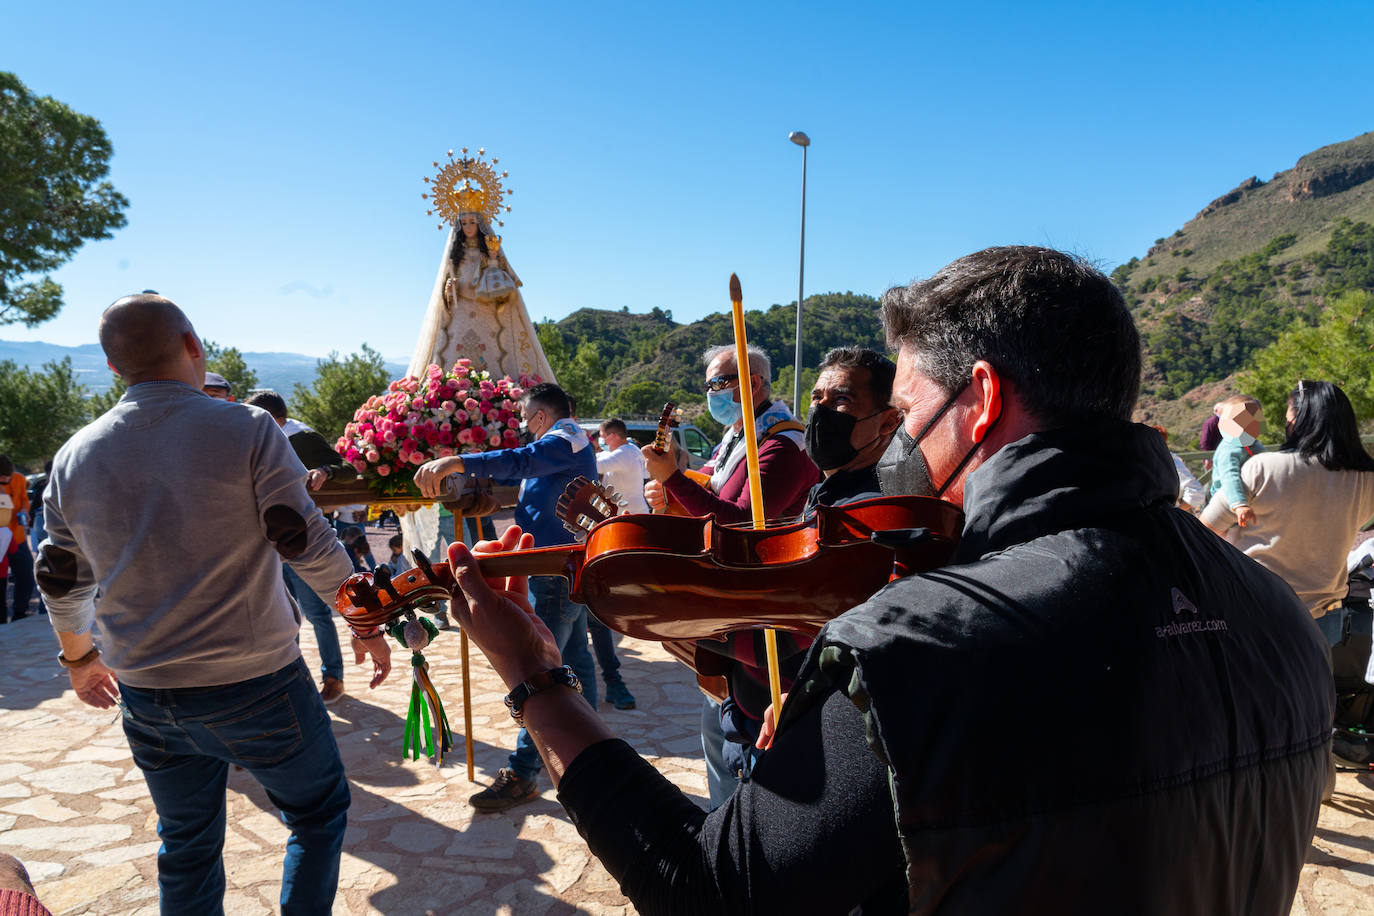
x=443, y=438
x=372, y=456
x=351, y=455
x=417, y=458
x=494, y=440
x=448, y=407
x=383, y=470
x=463, y=363
x=401, y=429
x=470, y=404
x=511, y=438
x=444, y=452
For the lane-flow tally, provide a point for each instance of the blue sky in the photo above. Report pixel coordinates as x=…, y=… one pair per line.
x=273, y=153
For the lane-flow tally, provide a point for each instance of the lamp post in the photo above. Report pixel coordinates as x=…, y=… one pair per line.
x=801, y=139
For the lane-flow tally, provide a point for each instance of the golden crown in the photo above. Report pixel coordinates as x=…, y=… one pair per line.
x=467, y=185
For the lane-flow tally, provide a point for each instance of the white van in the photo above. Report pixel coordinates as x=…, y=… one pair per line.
x=691, y=441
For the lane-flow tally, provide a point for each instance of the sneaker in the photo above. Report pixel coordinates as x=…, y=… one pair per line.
x=507, y=791
x=331, y=691
x=1352, y=752
x=619, y=696
x=441, y=621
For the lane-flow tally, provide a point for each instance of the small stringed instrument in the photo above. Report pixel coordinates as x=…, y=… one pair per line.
x=662, y=444
x=679, y=578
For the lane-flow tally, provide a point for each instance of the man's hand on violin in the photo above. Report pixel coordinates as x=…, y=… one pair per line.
x=380, y=650
x=660, y=465
x=496, y=612
x=654, y=496
x=429, y=477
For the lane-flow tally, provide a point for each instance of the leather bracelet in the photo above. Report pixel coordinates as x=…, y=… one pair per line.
x=562, y=676
x=81, y=662
x=366, y=633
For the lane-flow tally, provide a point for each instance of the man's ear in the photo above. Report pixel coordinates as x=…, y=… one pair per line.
x=192, y=344
x=987, y=386
x=890, y=420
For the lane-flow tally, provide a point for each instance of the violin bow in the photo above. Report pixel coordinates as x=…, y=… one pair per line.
x=751, y=453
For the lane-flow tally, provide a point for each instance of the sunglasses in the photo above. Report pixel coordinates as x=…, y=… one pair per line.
x=721, y=382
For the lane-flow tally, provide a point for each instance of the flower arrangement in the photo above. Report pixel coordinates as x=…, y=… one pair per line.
x=441, y=413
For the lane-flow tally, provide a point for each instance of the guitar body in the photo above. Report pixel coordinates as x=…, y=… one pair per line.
x=696, y=477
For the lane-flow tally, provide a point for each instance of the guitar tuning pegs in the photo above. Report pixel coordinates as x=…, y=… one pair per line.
x=422, y=563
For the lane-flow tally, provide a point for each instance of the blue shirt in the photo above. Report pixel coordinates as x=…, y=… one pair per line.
x=544, y=468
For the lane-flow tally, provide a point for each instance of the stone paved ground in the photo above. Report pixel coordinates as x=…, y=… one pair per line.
x=74, y=808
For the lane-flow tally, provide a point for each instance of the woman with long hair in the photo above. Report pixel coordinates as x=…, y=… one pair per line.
x=1310, y=498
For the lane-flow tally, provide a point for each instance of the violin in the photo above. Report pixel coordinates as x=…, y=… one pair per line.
x=680, y=578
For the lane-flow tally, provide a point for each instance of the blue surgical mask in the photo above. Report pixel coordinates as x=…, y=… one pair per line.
x=724, y=407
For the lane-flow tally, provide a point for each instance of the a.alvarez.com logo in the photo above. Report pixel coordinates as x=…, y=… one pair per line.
x=1182, y=624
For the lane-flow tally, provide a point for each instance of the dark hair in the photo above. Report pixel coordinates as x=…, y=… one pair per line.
x=617, y=426
x=6, y=465
x=1048, y=321
x=269, y=401
x=395, y=541
x=881, y=370
x=1324, y=428
x=572, y=405
x=460, y=244
x=547, y=396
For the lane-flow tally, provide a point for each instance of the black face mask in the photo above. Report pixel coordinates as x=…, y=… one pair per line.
x=902, y=470
x=827, y=436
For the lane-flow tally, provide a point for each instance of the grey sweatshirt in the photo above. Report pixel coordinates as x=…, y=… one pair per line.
x=167, y=520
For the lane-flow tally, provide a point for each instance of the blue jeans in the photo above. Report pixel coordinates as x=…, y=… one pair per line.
x=1332, y=623
x=568, y=623
x=21, y=571
x=274, y=726
x=321, y=617
x=727, y=742
x=603, y=644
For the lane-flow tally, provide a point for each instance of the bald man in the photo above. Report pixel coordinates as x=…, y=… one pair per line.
x=198, y=634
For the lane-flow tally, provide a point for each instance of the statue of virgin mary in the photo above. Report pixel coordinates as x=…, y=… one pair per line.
x=475, y=309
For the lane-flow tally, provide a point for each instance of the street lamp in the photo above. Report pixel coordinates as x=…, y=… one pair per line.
x=801, y=139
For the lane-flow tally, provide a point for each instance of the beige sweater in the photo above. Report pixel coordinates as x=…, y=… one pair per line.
x=1306, y=520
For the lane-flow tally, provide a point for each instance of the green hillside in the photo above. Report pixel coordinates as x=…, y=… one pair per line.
x=1257, y=261
x=615, y=362
x=1254, y=262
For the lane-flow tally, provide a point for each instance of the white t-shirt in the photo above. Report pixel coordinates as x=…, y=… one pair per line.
x=623, y=470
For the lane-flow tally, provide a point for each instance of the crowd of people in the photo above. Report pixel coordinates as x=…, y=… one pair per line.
x=1078, y=594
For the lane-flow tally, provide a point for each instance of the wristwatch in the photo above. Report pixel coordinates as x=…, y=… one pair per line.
x=555, y=677
x=79, y=662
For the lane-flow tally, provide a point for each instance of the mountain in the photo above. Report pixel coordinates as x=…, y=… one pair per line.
x=278, y=371
x=1250, y=264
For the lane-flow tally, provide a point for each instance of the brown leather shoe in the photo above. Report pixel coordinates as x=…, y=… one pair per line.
x=332, y=690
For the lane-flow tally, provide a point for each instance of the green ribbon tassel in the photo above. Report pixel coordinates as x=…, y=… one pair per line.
x=426, y=725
